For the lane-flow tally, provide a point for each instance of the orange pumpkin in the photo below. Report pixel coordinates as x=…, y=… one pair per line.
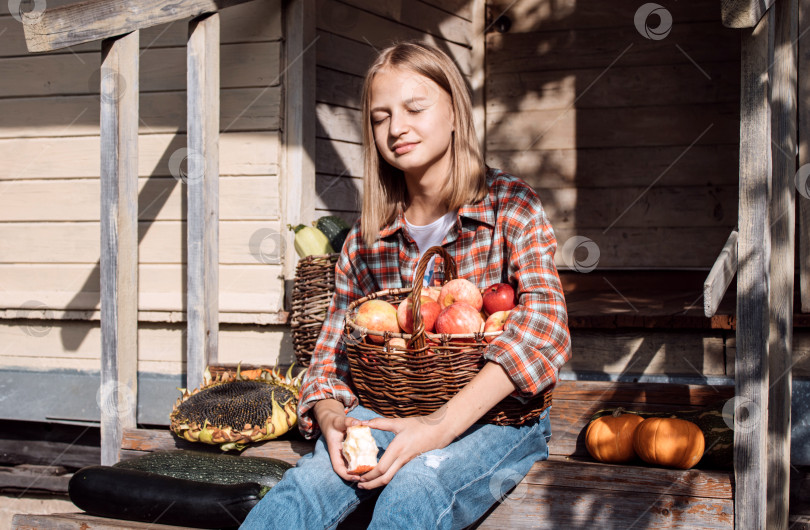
x=610, y=438
x=669, y=442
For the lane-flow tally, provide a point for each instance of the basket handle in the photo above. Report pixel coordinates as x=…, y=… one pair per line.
x=450, y=273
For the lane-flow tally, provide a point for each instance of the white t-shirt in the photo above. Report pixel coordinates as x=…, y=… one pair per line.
x=431, y=235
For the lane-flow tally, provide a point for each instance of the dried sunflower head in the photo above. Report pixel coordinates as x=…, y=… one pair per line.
x=233, y=411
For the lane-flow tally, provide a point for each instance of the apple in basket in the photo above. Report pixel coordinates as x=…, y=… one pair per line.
x=461, y=290
x=499, y=297
x=377, y=315
x=458, y=318
x=495, y=322
x=430, y=310
x=432, y=291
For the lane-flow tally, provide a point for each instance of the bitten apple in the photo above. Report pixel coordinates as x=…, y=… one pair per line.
x=377, y=315
x=495, y=322
x=499, y=297
x=460, y=290
x=430, y=310
x=458, y=318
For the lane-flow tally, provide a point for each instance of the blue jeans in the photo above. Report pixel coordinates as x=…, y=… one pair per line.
x=444, y=488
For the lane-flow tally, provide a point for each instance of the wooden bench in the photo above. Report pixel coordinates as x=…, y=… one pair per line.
x=569, y=490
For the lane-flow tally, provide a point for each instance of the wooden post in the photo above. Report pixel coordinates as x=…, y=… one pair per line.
x=297, y=181
x=479, y=73
x=119, y=241
x=719, y=278
x=783, y=219
x=203, y=195
x=804, y=154
x=751, y=363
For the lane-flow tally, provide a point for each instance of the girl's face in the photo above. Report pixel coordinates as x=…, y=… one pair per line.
x=412, y=120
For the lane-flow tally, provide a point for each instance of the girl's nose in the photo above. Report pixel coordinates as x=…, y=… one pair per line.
x=399, y=124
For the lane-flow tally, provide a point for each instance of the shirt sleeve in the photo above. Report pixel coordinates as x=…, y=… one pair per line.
x=535, y=342
x=328, y=373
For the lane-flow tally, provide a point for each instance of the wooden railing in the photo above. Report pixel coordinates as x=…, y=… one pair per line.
x=117, y=23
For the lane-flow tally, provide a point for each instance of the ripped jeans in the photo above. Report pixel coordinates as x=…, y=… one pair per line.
x=444, y=488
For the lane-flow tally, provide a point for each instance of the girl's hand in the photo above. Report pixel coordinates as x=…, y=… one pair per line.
x=414, y=436
x=333, y=423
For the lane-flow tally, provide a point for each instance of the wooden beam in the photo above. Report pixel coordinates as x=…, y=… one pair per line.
x=203, y=195
x=754, y=247
x=297, y=179
x=783, y=222
x=94, y=20
x=117, y=396
x=478, y=79
x=743, y=13
x=804, y=156
x=719, y=278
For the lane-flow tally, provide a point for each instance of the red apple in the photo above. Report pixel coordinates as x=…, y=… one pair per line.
x=499, y=297
x=377, y=315
x=432, y=291
x=430, y=311
x=459, y=317
x=495, y=322
x=460, y=290
x=397, y=344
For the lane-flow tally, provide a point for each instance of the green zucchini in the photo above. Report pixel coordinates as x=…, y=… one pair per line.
x=719, y=436
x=335, y=229
x=214, y=468
x=119, y=493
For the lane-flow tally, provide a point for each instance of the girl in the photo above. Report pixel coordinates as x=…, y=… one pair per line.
x=426, y=184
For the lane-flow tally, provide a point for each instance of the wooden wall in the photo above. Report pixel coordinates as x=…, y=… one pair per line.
x=49, y=194
x=349, y=34
x=632, y=142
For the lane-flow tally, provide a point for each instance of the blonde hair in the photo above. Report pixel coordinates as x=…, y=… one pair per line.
x=384, y=191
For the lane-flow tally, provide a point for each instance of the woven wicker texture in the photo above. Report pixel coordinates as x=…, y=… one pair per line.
x=418, y=378
x=313, y=287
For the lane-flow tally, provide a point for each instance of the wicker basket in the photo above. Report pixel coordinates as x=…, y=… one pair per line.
x=420, y=377
x=313, y=287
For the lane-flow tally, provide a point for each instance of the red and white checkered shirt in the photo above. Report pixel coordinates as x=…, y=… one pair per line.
x=506, y=237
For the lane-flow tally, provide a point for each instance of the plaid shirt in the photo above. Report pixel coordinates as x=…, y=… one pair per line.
x=506, y=237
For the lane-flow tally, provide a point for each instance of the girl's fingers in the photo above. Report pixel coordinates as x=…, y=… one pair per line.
x=380, y=480
x=383, y=424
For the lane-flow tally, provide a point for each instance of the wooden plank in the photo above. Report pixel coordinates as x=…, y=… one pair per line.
x=81, y=521
x=578, y=128
x=119, y=241
x=548, y=15
x=203, y=195
x=160, y=112
x=782, y=269
x=338, y=88
x=241, y=153
x=803, y=95
x=241, y=198
x=248, y=22
x=33, y=483
x=653, y=352
x=418, y=15
x=336, y=158
x=720, y=276
x=549, y=507
x=743, y=13
x=161, y=242
x=248, y=64
x=338, y=193
x=248, y=289
x=800, y=353
x=618, y=86
x=377, y=32
x=703, y=42
x=298, y=177
x=751, y=372
x=667, y=394
x=69, y=25
x=478, y=71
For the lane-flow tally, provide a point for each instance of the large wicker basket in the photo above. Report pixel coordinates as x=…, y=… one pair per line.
x=418, y=378
x=313, y=287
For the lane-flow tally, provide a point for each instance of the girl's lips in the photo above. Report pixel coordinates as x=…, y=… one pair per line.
x=401, y=149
